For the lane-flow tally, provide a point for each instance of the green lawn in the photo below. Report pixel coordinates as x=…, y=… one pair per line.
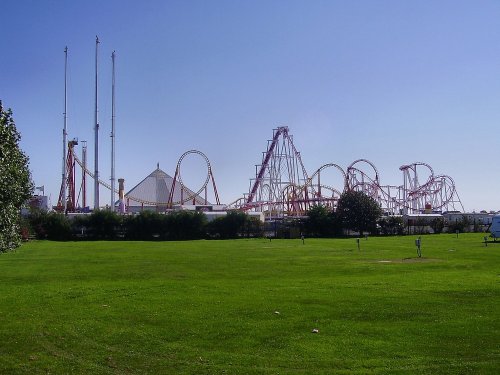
x=249, y=307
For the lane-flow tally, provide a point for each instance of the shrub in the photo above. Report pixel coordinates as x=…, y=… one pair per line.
x=229, y=226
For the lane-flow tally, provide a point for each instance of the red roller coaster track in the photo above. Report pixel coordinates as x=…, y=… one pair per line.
x=288, y=191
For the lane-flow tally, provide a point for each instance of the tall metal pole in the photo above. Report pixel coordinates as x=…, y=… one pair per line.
x=96, y=129
x=84, y=174
x=113, y=133
x=64, y=171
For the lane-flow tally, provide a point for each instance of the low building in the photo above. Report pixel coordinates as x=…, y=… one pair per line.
x=476, y=221
x=421, y=223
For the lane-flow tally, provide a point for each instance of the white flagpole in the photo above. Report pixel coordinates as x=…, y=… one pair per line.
x=96, y=129
x=113, y=133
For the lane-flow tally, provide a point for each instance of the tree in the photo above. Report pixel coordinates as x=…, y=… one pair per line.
x=253, y=227
x=229, y=226
x=15, y=181
x=49, y=225
x=147, y=225
x=391, y=225
x=322, y=222
x=437, y=224
x=104, y=225
x=185, y=225
x=318, y=221
x=462, y=225
x=358, y=212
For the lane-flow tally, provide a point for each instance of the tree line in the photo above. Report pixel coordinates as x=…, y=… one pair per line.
x=145, y=226
x=356, y=213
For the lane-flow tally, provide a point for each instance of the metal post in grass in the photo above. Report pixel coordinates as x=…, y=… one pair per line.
x=302, y=238
x=486, y=241
x=357, y=241
x=457, y=232
x=418, y=243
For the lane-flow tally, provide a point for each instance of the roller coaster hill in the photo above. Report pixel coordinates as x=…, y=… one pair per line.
x=281, y=188
x=158, y=191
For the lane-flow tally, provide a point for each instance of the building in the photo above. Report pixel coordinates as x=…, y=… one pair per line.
x=153, y=193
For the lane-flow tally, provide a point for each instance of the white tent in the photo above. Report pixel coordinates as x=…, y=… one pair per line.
x=153, y=193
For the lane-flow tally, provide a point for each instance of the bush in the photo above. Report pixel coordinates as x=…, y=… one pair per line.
x=229, y=226
x=185, y=225
x=49, y=225
x=322, y=222
x=437, y=225
x=461, y=225
x=391, y=225
x=147, y=225
x=104, y=225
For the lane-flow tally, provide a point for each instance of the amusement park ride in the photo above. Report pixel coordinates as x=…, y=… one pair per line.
x=76, y=203
x=281, y=187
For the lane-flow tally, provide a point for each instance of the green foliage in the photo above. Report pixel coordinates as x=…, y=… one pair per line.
x=178, y=225
x=420, y=225
x=391, y=225
x=249, y=306
x=318, y=223
x=57, y=227
x=462, y=225
x=289, y=228
x=49, y=225
x=437, y=225
x=185, y=225
x=107, y=225
x=103, y=225
x=15, y=181
x=229, y=226
x=147, y=225
x=322, y=222
x=253, y=227
x=358, y=212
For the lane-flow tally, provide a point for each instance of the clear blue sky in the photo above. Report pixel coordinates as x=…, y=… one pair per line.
x=390, y=81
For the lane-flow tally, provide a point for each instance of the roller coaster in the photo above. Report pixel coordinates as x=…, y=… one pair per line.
x=283, y=188
x=76, y=203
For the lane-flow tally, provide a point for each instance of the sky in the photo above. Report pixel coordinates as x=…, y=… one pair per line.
x=391, y=81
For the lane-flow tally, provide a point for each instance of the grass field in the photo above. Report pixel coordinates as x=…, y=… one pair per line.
x=250, y=306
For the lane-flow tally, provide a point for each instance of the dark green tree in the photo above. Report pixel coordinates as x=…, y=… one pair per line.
x=391, y=225
x=462, y=225
x=253, y=227
x=322, y=222
x=103, y=225
x=229, y=226
x=56, y=226
x=15, y=181
x=437, y=225
x=145, y=226
x=49, y=225
x=185, y=225
x=358, y=212
x=318, y=221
